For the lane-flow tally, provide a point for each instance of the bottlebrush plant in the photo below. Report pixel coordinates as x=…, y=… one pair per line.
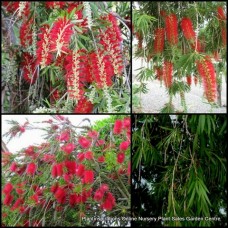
x=79, y=172
x=78, y=50
x=177, y=45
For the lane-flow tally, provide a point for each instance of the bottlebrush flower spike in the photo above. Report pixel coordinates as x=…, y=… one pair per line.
x=13, y=167
x=159, y=73
x=189, y=80
x=60, y=35
x=84, y=142
x=102, y=69
x=8, y=188
x=83, y=106
x=71, y=167
x=221, y=14
x=31, y=169
x=171, y=25
x=168, y=73
x=187, y=28
x=55, y=4
x=80, y=170
x=111, y=40
x=64, y=136
x=118, y=126
x=29, y=68
x=159, y=40
x=98, y=195
x=26, y=34
x=101, y=159
x=120, y=157
x=89, y=155
x=44, y=56
x=109, y=202
x=8, y=200
x=224, y=36
x=68, y=148
x=207, y=72
x=88, y=177
x=124, y=145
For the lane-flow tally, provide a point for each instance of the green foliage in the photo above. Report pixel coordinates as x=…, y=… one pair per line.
x=180, y=164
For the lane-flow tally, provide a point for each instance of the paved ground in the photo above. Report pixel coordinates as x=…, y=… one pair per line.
x=157, y=97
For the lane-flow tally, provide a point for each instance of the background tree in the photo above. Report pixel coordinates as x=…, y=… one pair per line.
x=182, y=47
x=179, y=168
x=78, y=176
x=65, y=57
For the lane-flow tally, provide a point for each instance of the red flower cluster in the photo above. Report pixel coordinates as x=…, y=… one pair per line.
x=26, y=34
x=168, y=73
x=187, y=27
x=60, y=35
x=84, y=142
x=120, y=157
x=109, y=202
x=68, y=148
x=221, y=14
x=124, y=145
x=207, y=72
x=159, y=40
x=118, y=127
x=44, y=56
x=57, y=170
x=31, y=168
x=171, y=25
x=111, y=40
x=83, y=106
x=29, y=68
x=88, y=177
x=102, y=69
x=55, y=4
x=159, y=73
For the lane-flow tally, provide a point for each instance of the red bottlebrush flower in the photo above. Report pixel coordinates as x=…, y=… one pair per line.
x=19, y=191
x=124, y=145
x=168, y=73
x=89, y=155
x=111, y=40
x=31, y=169
x=101, y=68
x=171, y=24
x=73, y=199
x=35, y=198
x=159, y=40
x=80, y=156
x=118, y=126
x=109, y=202
x=187, y=28
x=80, y=170
x=189, y=80
x=21, y=170
x=8, y=188
x=83, y=106
x=71, y=167
x=101, y=159
x=60, y=35
x=93, y=134
x=98, y=195
x=44, y=56
x=57, y=170
x=140, y=40
x=127, y=122
x=221, y=14
x=55, y=4
x=60, y=195
x=29, y=68
x=26, y=34
x=8, y=200
x=88, y=177
x=64, y=136
x=120, y=157
x=13, y=167
x=54, y=188
x=207, y=72
x=84, y=142
x=30, y=151
x=159, y=73
x=68, y=148
x=223, y=36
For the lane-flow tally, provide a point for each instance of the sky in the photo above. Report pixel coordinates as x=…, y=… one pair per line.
x=32, y=137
